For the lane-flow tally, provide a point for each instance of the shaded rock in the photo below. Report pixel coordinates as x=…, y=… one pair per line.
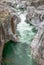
x=8, y=24
x=35, y=16
x=37, y=47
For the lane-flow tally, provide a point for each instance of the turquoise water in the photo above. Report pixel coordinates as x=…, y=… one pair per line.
x=15, y=53
x=19, y=53
x=26, y=32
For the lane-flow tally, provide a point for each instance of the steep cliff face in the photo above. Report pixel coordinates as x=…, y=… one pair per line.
x=36, y=17
x=9, y=20
x=8, y=24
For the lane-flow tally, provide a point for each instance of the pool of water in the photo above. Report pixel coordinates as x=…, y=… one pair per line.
x=18, y=53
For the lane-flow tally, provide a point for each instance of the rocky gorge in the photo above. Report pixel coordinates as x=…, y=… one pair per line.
x=22, y=23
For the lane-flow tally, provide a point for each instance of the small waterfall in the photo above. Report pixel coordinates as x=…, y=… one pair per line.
x=19, y=53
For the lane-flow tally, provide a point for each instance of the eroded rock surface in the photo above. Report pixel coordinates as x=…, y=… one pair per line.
x=35, y=16
x=8, y=24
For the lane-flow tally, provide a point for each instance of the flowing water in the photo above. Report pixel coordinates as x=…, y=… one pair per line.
x=19, y=53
